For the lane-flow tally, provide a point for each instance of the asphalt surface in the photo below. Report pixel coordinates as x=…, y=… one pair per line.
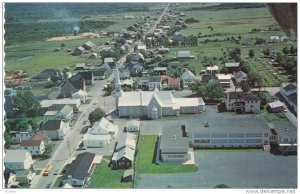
x=235, y=169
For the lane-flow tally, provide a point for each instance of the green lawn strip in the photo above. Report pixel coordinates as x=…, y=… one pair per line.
x=229, y=150
x=272, y=116
x=58, y=182
x=104, y=177
x=146, y=156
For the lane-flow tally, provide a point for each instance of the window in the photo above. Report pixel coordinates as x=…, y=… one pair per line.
x=266, y=135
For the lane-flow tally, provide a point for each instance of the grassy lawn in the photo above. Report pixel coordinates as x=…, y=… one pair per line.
x=146, y=156
x=272, y=116
x=104, y=177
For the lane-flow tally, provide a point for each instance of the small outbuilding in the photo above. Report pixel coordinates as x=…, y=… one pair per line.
x=128, y=175
x=133, y=125
x=275, y=107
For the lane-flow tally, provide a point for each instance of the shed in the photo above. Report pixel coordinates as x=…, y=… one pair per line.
x=128, y=175
x=133, y=125
x=276, y=106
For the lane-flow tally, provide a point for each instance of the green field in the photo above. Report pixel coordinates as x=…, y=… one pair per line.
x=233, y=23
x=146, y=156
x=43, y=56
x=104, y=177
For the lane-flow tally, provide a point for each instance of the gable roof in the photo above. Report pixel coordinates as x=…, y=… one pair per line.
x=87, y=75
x=80, y=48
x=31, y=143
x=246, y=96
x=290, y=86
x=153, y=78
x=124, y=152
x=89, y=43
x=15, y=156
x=77, y=81
x=207, y=78
x=103, y=127
x=184, y=53
x=79, y=168
x=67, y=109
x=172, y=80
x=51, y=125
x=127, y=139
x=187, y=73
x=239, y=75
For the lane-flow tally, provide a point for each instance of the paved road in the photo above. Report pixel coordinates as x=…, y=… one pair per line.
x=235, y=169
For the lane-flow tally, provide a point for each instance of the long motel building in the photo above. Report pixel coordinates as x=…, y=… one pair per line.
x=229, y=132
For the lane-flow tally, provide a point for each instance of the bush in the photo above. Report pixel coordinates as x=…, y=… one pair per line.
x=96, y=115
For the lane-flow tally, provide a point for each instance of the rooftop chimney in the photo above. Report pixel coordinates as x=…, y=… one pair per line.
x=183, y=131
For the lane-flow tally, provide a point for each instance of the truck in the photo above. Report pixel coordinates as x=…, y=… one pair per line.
x=47, y=170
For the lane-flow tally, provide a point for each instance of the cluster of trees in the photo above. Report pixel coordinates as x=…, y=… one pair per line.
x=26, y=104
x=235, y=54
x=211, y=28
x=33, y=31
x=289, y=64
x=191, y=20
x=96, y=115
x=292, y=50
x=211, y=92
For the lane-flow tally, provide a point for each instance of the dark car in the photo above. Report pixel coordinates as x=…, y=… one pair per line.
x=48, y=185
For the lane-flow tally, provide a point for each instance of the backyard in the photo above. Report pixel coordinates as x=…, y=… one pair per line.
x=146, y=157
x=104, y=177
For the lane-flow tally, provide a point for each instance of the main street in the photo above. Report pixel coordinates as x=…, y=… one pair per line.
x=66, y=151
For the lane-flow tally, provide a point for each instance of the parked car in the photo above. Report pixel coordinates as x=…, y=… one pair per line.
x=48, y=185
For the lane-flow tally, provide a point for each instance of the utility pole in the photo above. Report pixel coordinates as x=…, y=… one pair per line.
x=69, y=147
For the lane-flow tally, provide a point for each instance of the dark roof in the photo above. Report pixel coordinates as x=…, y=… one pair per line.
x=80, y=166
x=87, y=75
x=247, y=96
x=69, y=85
x=77, y=81
x=293, y=97
x=290, y=87
x=285, y=129
x=207, y=78
x=172, y=139
x=99, y=72
x=51, y=125
x=56, y=107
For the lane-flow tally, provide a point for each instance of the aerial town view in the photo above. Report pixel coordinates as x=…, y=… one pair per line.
x=150, y=96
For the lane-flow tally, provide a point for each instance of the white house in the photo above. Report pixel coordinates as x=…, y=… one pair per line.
x=224, y=80
x=18, y=160
x=55, y=129
x=142, y=47
x=188, y=78
x=79, y=171
x=183, y=54
x=151, y=82
x=100, y=134
x=81, y=95
x=289, y=93
x=240, y=77
x=242, y=102
x=35, y=147
x=274, y=39
x=59, y=113
x=212, y=70
x=133, y=126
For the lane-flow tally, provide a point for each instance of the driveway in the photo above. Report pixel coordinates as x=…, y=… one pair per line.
x=235, y=169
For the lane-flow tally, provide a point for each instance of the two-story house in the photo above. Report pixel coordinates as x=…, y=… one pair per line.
x=151, y=82
x=55, y=129
x=188, y=78
x=242, y=102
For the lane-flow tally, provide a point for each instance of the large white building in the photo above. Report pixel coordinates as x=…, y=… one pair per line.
x=153, y=104
x=100, y=134
x=229, y=132
x=156, y=104
x=18, y=160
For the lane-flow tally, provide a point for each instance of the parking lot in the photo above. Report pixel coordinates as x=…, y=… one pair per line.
x=235, y=169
